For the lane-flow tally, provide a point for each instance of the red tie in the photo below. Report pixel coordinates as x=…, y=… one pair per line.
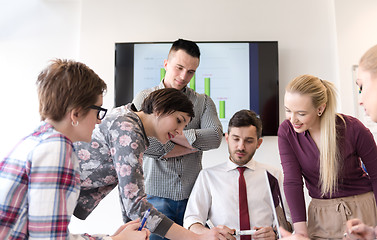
x=244, y=210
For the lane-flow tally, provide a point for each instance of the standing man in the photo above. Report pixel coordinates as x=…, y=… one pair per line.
x=217, y=194
x=170, y=170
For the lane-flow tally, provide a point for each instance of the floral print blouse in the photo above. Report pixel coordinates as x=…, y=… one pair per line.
x=114, y=157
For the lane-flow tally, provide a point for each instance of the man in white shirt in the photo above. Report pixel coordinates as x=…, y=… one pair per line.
x=215, y=195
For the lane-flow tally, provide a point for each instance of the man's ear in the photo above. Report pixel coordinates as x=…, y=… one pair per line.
x=226, y=137
x=165, y=63
x=260, y=140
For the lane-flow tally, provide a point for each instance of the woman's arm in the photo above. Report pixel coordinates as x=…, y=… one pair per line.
x=127, y=144
x=367, y=150
x=54, y=184
x=289, y=236
x=301, y=229
x=293, y=183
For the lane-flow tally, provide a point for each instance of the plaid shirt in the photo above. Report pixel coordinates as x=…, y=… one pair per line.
x=174, y=178
x=39, y=186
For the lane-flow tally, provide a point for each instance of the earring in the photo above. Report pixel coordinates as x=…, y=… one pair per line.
x=319, y=114
x=75, y=124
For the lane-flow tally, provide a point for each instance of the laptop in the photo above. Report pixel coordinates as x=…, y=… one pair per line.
x=277, y=206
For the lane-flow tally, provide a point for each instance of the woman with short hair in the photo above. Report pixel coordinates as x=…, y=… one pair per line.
x=40, y=178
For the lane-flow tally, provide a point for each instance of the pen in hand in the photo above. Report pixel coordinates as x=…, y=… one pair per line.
x=144, y=220
x=210, y=224
x=237, y=232
x=245, y=232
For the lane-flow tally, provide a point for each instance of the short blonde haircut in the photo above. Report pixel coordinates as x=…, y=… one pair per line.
x=65, y=85
x=369, y=61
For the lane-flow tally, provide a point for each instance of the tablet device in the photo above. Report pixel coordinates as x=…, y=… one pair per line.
x=275, y=200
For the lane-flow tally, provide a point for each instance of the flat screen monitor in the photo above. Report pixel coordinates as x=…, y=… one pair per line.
x=236, y=75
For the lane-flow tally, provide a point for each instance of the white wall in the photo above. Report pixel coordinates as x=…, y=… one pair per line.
x=305, y=30
x=356, y=24
x=31, y=33
x=322, y=37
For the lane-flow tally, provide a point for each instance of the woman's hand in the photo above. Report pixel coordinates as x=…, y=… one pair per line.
x=356, y=229
x=129, y=231
x=289, y=236
x=265, y=233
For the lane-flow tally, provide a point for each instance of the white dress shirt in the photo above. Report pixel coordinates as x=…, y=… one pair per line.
x=215, y=195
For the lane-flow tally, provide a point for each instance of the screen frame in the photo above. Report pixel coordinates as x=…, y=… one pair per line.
x=264, y=101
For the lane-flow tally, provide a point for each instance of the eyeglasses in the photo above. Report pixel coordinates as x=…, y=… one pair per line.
x=101, y=111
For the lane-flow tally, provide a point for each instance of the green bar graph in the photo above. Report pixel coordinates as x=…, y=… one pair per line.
x=222, y=109
x=162, y=74
x=207, y=85
x=192, y=83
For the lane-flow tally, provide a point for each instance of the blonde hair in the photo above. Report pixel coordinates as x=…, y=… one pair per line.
x=369, y=60
x=323, y=92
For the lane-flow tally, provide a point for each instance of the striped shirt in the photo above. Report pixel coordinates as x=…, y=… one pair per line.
x=39, y=186
x=174, y=178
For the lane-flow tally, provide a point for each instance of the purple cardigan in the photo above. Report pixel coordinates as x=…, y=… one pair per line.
x=300, y=158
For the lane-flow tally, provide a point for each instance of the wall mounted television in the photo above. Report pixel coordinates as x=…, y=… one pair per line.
x=236, y=75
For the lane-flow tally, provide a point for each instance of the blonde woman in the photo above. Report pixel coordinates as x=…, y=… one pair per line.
x=326, y=149
x=367, y=82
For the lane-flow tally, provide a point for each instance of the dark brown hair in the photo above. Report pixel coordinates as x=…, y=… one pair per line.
x=188, y=46
x=65, y=85
x=167, y=101
x=245, y=118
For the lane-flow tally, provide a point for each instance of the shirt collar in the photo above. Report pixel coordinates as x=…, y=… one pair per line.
x=232, y=166
x=162, y=85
